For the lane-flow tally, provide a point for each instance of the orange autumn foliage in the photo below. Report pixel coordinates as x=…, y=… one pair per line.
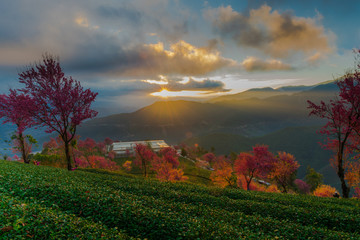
x=165, y=171
x=127, y=166
x=273, y=189
x=352, y=176
x=253, y=186
x=166, y=166
x=284, y=170
x=222, y=175
x=324, y=191
x=255, y=164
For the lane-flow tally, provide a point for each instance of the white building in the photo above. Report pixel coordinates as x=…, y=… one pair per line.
x=123, y=148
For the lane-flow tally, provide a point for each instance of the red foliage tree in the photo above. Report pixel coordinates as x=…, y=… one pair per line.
x=256, y=164
x=284, y=170
x=108, y=141
x=89, y=153
x=53, y=147
x=343, y=116
x=143, y=157
x=209, y=157
x=302, y=186
x=166, y=166
x=62, y=103
x=223, y=173
x=17, y=108
x=170, y=155
x=89, y=147
x=246, y=165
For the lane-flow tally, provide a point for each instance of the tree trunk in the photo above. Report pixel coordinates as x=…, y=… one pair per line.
x=67, y=154
x=341, y=173
x=248, y=185
x=22, y=148
x=144, y=167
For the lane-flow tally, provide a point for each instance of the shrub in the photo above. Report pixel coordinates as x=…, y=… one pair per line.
x=302, y=186
x=127, y=166
x=324, y=191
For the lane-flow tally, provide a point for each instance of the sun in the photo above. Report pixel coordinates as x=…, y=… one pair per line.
x=164, y=93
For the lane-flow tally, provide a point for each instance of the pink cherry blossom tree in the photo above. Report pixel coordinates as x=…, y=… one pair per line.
x=255, y=164
x=143, y=157
x=17, y=108
x=343, y=122
x=284, y=170
x=62, y=103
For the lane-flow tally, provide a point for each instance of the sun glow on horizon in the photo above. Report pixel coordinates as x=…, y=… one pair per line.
x=165, y=93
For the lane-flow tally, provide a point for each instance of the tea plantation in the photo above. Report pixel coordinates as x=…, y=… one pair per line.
x=39, y=202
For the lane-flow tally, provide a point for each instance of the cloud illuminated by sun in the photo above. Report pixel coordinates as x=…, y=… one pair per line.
x=165, y=93
x=159, y=82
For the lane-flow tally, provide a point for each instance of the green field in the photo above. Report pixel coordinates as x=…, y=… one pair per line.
x=38, y=202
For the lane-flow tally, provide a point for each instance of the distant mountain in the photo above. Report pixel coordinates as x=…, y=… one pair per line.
x=235, y=123
x=276, y=117
x=294, y=89
x=261, y=93
x=174, y=121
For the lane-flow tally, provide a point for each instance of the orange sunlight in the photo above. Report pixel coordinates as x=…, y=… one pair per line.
x=164, y=93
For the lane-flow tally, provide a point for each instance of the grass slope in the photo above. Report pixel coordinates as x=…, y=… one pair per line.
x=47, y=203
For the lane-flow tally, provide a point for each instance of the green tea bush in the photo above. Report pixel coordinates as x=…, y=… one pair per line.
x=144, y=208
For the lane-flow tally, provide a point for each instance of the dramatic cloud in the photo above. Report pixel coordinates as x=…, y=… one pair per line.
x=191, y=84
x=254, y=64
x=150, y=60
x=276, y=34
x=90, y=28
x=182, y=58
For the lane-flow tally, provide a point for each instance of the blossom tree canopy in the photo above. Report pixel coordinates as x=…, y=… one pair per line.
x=343, y=122
x=18, y=108
x=62, y=103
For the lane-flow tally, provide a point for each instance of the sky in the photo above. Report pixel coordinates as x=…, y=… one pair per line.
x=135, y=52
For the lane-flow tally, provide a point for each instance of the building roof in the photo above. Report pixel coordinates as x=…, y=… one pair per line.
x=123, y=146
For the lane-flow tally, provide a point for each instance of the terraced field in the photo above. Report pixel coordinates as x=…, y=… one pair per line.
x=48, y=203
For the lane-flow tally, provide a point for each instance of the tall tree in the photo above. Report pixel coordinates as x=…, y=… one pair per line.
x=143, y=157
x=255, y=164
x=17, y=108
x=166, y=166
x=343, y=121
x=223, y=173
x=284, y=170
x=246, y=165
x=62, y=103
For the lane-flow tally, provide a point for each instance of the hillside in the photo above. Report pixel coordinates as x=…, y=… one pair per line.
x=235, y=124
x=302, y=142
x=175, y=121
x=260, y=93
x=48, y=203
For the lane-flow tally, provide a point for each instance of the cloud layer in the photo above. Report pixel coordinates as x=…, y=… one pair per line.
x=191, y=84
x=115, y=46
x=279, y=35
x=182, y=58
x=254, y=64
